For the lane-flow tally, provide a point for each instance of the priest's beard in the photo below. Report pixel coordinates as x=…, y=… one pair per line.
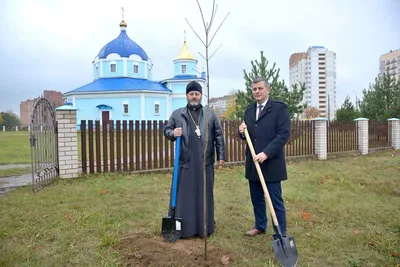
x=194, y=104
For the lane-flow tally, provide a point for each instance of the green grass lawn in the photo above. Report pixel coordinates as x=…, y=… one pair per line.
x=14, y=147
x=15, y=171
x=341, y=212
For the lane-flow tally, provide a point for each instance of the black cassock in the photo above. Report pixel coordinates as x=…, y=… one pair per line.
x=189, y=202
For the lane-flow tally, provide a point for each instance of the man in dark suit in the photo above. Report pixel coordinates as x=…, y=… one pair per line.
x=268, y=124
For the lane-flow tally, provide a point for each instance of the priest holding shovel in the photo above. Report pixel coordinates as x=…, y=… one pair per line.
x=189, y=125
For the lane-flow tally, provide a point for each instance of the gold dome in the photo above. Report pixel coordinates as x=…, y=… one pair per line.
x=123, y=24
x=185, y=53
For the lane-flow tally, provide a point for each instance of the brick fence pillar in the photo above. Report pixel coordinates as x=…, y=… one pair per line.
x=394, y=132
x=320, y=142
x=67, y=142
x=363, y=135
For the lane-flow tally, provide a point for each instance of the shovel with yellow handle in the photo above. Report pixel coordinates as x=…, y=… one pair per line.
x=284, y=247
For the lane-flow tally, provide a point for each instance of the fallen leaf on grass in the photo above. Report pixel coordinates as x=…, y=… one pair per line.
x=356, y=231
x=103, y=192
x=68, y=217
x=323, y=180
x=371, y=244
x=395, y=254
x=308, y=234
x=225, y=260
x=306, y=216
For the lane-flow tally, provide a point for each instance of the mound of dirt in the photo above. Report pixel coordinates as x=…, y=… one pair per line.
x=147, y=250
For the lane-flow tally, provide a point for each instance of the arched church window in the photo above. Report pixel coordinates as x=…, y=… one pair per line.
x=183, y=68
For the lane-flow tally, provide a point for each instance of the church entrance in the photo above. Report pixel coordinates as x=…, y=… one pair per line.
x=105, y=117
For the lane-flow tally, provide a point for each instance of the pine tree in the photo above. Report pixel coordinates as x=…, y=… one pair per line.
x=347, y=112
x=382, y=99
x=279, y=90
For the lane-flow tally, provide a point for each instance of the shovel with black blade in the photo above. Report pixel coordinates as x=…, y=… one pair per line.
x=171, y=226
x=284, y=247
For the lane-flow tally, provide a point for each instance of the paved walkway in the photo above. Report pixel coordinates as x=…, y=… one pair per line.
x=8, y=183
x=16, y=181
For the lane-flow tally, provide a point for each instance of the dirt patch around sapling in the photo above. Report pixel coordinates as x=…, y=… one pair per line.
x=149, y=250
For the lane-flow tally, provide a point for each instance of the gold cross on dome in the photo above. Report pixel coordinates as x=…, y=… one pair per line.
x=123, y=11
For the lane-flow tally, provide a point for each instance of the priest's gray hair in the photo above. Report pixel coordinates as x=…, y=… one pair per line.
x=260, y=79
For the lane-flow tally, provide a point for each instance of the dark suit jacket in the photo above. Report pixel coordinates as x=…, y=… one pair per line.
x=268, y=134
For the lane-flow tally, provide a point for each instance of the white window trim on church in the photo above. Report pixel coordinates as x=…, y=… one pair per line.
x=125, y=103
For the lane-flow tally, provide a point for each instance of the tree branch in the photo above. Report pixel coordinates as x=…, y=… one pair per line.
x=195, y=32
x=214, y=10
x=212, y=38
x=196, y=71
x=215, y=51
x=202, y=56
x=202, y=16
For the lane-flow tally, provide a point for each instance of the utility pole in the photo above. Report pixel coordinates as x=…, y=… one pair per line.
x=356, y=99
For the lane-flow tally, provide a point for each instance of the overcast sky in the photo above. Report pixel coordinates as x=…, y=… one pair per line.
x=47, y=44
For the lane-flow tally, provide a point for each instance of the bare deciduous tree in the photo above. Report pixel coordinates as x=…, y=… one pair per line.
x=207, y=43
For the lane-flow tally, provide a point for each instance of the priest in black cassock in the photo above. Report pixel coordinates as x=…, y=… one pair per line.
x=189, y=122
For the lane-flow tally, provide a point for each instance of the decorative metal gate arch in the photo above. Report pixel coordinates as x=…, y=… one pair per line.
x=44, y=144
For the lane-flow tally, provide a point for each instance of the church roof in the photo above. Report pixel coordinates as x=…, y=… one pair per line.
x=123, y=46
x=120, y=84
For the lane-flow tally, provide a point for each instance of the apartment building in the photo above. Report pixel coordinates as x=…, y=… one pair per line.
x=316, y=68
x=220, y=104
x=390, y=63
x=26, y=107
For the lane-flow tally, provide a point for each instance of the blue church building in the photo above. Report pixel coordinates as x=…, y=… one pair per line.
x=123, y=87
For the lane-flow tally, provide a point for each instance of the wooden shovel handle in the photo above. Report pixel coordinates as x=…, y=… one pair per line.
x=261, y=176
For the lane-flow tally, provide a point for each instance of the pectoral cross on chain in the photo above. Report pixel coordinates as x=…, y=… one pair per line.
x=197, y=131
